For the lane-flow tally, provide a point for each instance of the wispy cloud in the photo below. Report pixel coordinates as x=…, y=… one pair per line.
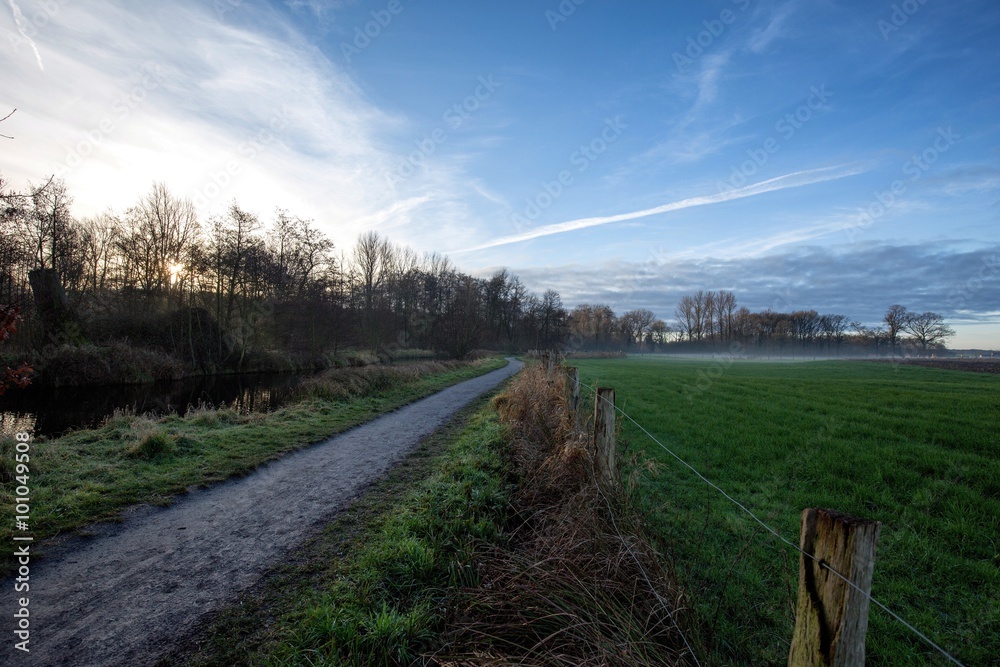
x=313, y=142
x=793, y=180
x=762, y=38
x=756, y=247
x=20, y=21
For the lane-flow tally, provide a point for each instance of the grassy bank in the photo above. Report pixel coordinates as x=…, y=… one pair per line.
x=120, y=362
x=373, y=588
x=914, y=448
x=92, y=475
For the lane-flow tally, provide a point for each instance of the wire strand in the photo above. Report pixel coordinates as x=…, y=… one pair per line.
x=645, y=576
x=781, y=538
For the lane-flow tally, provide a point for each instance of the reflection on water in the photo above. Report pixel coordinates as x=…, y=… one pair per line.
x=50, y=412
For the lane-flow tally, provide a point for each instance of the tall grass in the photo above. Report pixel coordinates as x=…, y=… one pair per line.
x=914, y=448
x=577, y=582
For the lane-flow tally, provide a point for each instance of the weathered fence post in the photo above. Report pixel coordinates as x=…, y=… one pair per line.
x=604, y=433
x=572, y=388
x=832, y=617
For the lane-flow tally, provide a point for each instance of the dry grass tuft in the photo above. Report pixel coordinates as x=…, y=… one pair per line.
x=148, y=440
x=578, y=583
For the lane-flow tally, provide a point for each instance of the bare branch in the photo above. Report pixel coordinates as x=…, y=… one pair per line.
x=5, y=118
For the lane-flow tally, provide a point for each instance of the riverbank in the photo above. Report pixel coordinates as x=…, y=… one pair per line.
x=121, y=363
x=93, y=475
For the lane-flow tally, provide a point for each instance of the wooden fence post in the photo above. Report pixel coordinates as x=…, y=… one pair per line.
x=604, y=433
x=832, y=617
x=572, y=388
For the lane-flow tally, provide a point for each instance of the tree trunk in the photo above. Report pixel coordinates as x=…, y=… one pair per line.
x=59, y=322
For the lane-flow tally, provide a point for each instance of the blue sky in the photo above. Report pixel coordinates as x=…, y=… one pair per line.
x=842, y=156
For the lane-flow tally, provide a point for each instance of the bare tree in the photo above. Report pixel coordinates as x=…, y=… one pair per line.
x=895, y=320
x=373, y=264
x=834, y=328
x=707, y=313
x=160, y=229
x=659, y=332
x=871, y=335
x=687, y=317
x=634, y=324
x=928, y=329
x=725, y=306
x=48, y=223
x=299, y=251
x=100, y=235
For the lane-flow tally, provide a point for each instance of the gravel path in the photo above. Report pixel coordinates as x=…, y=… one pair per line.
x=125, y=596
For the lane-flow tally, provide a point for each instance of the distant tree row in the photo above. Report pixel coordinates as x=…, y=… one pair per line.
x=244, y=286
x=712, y=320
x=254, y=286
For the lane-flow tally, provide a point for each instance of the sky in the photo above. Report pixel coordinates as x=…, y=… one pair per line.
x=834, y=155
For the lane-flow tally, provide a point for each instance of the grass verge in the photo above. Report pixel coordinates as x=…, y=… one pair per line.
x=914, y=448
x=93, y=475
x=372, y=589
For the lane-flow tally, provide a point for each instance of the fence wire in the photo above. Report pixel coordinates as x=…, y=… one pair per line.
x=776, y=534
x=645, y=575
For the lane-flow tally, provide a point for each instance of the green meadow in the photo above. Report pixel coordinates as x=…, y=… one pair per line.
x=917, y=449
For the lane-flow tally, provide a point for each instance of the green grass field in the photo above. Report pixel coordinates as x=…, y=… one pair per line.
x=915, y=448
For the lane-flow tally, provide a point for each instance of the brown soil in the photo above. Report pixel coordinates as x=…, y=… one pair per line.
x=978, y=365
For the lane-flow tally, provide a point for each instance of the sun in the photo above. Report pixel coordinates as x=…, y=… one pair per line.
x=175, y=272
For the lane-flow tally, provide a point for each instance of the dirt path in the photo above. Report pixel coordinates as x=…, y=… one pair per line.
x=124, y=596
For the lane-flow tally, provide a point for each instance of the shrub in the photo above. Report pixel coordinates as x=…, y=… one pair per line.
x=117, y=363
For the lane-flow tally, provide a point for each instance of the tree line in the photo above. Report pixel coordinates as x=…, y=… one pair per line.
x=215, y=291
x=712, y=321
x=247, y=285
